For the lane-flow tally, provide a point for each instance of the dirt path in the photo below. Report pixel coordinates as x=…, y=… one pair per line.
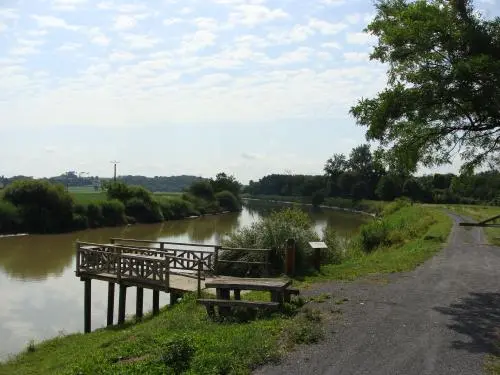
x=442, y=318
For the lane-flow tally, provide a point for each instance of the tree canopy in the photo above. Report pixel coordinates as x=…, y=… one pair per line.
x=443, y=90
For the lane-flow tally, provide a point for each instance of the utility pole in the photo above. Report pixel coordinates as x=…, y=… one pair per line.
x=115, y=163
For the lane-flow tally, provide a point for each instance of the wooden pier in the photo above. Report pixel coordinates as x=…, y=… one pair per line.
x=169, y=267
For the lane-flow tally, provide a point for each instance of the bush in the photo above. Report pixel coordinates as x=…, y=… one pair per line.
x=336, y=247
x=124, y=192
x=318, y=198
x=203, y=206
x=80, y=221
x=144, y=212
x=228, y=201
x=43, y=207
x=94, y=215
x=373, y=235
x=113, y=213
x=178, y=353
x=271, y=233
x=176, y=208
x=9, y=217
x=202, y=189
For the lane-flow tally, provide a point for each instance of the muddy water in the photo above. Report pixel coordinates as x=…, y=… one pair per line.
x=41, y=297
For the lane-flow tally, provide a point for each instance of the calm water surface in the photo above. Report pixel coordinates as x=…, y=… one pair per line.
x=41, y=297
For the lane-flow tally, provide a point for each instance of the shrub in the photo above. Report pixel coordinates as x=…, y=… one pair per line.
x=228, y=201
x=202, y=189
x=373, y=235
x=317, y=198
x=176, y=208
x=94, y=215
x=307, y=328
x=203, y=206
x=80, y=221
x=336, y=247
x=43, y=207
x=9, y=217
x=113, y=213
x=124, y=192
x=271, y=233
x=144, y=212
x=178, y=353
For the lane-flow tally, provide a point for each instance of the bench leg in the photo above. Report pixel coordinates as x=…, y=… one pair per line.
x=277, y=297
x=237, y=295
x=211, y=311
x=224, y=294
x=287, y=296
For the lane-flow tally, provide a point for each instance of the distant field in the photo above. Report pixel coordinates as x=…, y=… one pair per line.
x=86, y=195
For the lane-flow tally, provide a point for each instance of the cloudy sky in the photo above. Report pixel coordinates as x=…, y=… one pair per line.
x=170, y=87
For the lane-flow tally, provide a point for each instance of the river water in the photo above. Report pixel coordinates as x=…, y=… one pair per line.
x=42, y=298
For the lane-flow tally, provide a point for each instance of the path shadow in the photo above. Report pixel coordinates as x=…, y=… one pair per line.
x=478, y=317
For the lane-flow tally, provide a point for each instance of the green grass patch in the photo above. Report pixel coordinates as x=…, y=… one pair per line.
x=415, y=233
x=88, y=197
x=144, y=348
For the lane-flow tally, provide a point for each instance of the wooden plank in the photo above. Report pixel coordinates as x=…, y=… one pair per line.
x=240, y=262
x=237, y=303
x=247, y=283
x=122, y=301
x=163, y=242
x=156, y=302
x=243, y=249
x=139, y=304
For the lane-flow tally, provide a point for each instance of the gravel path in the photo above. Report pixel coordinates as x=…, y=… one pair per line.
x=442, y=318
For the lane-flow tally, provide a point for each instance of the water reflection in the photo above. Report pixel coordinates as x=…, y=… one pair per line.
x=42, y=297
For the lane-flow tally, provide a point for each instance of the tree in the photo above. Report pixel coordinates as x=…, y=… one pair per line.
x=336, y=165
x=223, y=182
x=413, y=190
x=359, y=191
x=317, y=198
x=443, y=91
x=387, y=188
x=202, y=189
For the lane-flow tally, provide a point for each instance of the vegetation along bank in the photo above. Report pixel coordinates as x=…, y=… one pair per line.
x=183, y=340
x=37, y=206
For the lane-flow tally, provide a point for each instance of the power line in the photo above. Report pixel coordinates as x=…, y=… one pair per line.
x=115, y=163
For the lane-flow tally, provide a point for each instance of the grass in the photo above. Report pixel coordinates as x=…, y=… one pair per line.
x=139, y=348
x=416, y=233
x=479, y=213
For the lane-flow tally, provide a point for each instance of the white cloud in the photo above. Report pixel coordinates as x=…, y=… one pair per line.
x=124, y=22
x=140, y=41
x=186, y=10
x=298, y=33
x=96, y=36
x=300, y=55
x=356, y=56
x=121, y=56
x=360, y=38
x=53, y=22
x=333, y=45
x=254, y=14
x=198, y=40
x=69, y=47
x=325, y=27
x=172, y=21
x=333, y=2
x=67, y=4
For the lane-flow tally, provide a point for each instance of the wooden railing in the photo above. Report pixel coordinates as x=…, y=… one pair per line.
x=133, y=265
x=210, y=259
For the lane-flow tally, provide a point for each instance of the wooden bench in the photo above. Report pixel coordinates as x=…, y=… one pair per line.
x=210, y=304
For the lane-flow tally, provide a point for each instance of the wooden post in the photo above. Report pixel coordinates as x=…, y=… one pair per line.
x=77, y=258
x=139, y=303
x=216, y=259
x=237, y=294
x=122, y=301
x=111, y=303
x=200, y=265
x=156, y=302
x=87, y=306
x=267, y=266
x=290, y=257
x=173, y=298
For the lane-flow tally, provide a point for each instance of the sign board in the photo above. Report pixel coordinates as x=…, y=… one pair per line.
x=318, y=245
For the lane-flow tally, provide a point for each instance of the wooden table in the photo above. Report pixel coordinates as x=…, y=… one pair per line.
x=224, y=285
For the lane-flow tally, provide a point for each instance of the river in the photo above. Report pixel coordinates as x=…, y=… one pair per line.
x=42, y=298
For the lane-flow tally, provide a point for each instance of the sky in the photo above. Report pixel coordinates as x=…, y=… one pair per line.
x=170, y=87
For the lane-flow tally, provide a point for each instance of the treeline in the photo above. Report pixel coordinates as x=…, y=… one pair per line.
x=36, y=206
x=361, y=175
x=154, y=184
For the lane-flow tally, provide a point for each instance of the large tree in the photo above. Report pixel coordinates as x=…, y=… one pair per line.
x=443, y=90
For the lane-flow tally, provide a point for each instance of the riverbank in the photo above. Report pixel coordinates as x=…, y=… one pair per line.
x=414, y=233
x=369, y=207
